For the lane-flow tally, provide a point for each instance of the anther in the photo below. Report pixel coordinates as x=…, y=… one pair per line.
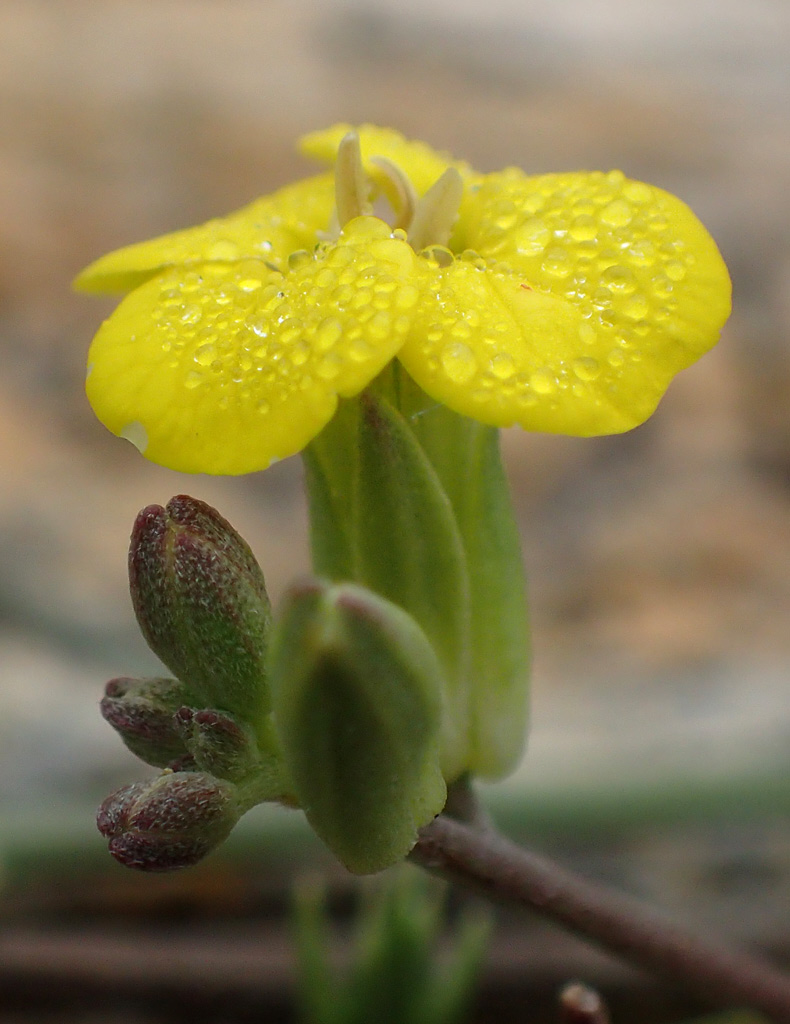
x=437, y=211
x=351, y=184
x=401, y=192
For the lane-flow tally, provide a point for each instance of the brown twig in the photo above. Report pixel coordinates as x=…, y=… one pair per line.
x=503, y=871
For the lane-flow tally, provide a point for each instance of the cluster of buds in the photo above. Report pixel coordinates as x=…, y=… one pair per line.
x=336, y=708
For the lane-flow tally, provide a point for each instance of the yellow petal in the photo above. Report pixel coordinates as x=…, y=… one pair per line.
x=421, y=164
x=223, y=368
x=270, y=228
x=596, y=291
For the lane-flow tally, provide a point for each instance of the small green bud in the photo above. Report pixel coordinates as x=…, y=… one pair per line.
x=357, y=698
x=220, y=744
x=201, y=603
x=141, y=711
x=172, y=822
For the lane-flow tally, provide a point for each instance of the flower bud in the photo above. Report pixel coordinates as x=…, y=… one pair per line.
x=357, y=699
x=219, y=744
x=141, y=711
x=202, y=606
x=172, y=822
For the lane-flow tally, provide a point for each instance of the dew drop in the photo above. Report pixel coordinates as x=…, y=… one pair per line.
x=222, y=250
x=379, y=326
x=193, y=380
x=329, y=366
x=587, y=334
x=662, y=286
x=543, y=381
x=502, y=366
x=137, y=434
x=458, y=362
x=250, y=284
x=532, y=237
x=298, y=259
x=205, y=354
x=300, y=353
x=617, y=214
x=637, y=192
x=329, y=332
x=262, y=406
x=583, y=229
x=586, y=368
x=439, y=254
x=615, y=359
x=642, y=253
x=407, y=297
x=675, y=271
x=191, y=314
x=619, y=279
x=636, y=308
x=358, y=350
x=506, y=219
x=557, y=263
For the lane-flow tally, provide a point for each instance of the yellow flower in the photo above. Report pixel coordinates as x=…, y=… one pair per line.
x=563, y=302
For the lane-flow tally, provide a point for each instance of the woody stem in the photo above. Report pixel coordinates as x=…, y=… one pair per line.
x=502, y=871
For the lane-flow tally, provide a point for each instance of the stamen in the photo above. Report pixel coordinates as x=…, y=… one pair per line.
x=351, y=185
x=437, y=211
x=400, y=193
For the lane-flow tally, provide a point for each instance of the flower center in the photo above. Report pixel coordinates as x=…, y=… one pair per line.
x=427, y=220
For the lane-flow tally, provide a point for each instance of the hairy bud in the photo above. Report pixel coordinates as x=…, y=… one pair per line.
x=141, y=711
x=172, y=822
x=201, y=603
x=357, y=694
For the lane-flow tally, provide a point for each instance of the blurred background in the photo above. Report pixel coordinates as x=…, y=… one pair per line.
x=659, y=561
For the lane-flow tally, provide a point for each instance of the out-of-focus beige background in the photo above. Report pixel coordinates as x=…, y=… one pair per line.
x=660, y=561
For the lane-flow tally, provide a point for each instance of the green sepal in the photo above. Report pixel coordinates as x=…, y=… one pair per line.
x=331, y=467
x=466, y=457
x=357, y=700
x=202, y=606
x=409, y=550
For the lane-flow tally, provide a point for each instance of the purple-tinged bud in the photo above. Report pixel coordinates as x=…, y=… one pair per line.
x=202, y=606
x=172, y=822
x=219, y=743
x=141, y=711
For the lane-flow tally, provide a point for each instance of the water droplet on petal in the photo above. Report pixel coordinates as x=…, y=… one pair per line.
x=330, y=366
x=502, y=366
x=137, y=434
x=328, y=334
x=543, y=381
x=583, y=229
x=557, y=263
x=298, y=259
x=637, y=192
x=205, y=355
x=636, y=307
x=531, y=238
x=586, y=368
x=619, y=279
x=223, y=250
x=587, y=334
x=617, y=214
x=458, y=362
